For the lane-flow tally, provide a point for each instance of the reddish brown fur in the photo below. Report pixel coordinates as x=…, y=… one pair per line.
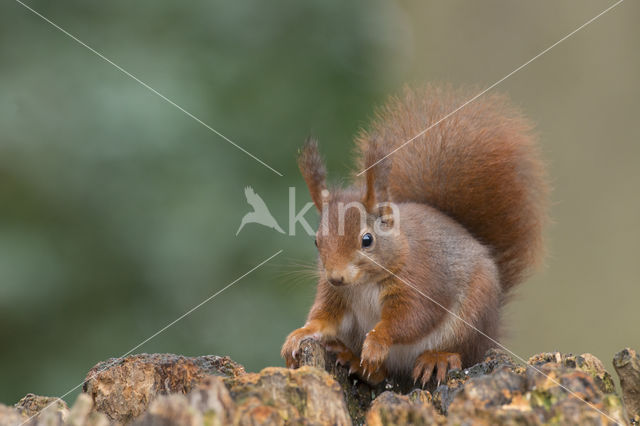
x=480, y=166
x=471, y=204
x=313, y=171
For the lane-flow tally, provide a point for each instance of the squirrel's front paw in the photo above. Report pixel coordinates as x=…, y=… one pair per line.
x=345, y=357
x=374, y=352
x=291, y=345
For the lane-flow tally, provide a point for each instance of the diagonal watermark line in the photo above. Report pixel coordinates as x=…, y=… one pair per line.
x=493, y=340
x=189, y=312
x=145, y=85
x=493, y=85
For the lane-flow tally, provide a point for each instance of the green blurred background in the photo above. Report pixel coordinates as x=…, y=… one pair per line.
x=118, y=212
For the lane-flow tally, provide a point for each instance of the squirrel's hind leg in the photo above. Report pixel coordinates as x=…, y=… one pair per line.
x=346, y=357
x=430, y=360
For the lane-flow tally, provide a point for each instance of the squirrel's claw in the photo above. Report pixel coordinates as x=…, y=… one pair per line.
x=374, y=352
x=439, y=361
x=367, y=371
x=290, y=348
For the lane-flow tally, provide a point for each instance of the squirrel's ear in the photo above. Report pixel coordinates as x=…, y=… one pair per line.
x=386, y=213
x=376, y=174
x=369, y=200
x=314, y=172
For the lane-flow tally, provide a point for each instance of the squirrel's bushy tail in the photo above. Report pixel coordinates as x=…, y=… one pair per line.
x=480, y=166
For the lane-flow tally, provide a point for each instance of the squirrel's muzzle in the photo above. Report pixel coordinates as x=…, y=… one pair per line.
x=342, y=276
x=337, y=281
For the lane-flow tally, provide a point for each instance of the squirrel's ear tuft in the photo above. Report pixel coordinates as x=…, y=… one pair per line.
x=314, y=172
x=376, y=175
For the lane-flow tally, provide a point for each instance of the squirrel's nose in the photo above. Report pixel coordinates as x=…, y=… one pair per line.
x=335, y=279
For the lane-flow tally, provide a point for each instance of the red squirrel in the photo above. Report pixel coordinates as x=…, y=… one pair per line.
x=418, y=289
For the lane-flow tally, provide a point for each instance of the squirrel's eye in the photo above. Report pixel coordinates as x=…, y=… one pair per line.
x=367, y=240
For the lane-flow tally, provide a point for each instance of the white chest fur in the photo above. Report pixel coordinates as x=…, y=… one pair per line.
x=364, y=313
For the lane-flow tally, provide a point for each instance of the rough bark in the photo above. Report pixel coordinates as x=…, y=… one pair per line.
x=164, y=389
x=124, y=388
x=390, y=408
x=627, y=365
x=304, y=395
